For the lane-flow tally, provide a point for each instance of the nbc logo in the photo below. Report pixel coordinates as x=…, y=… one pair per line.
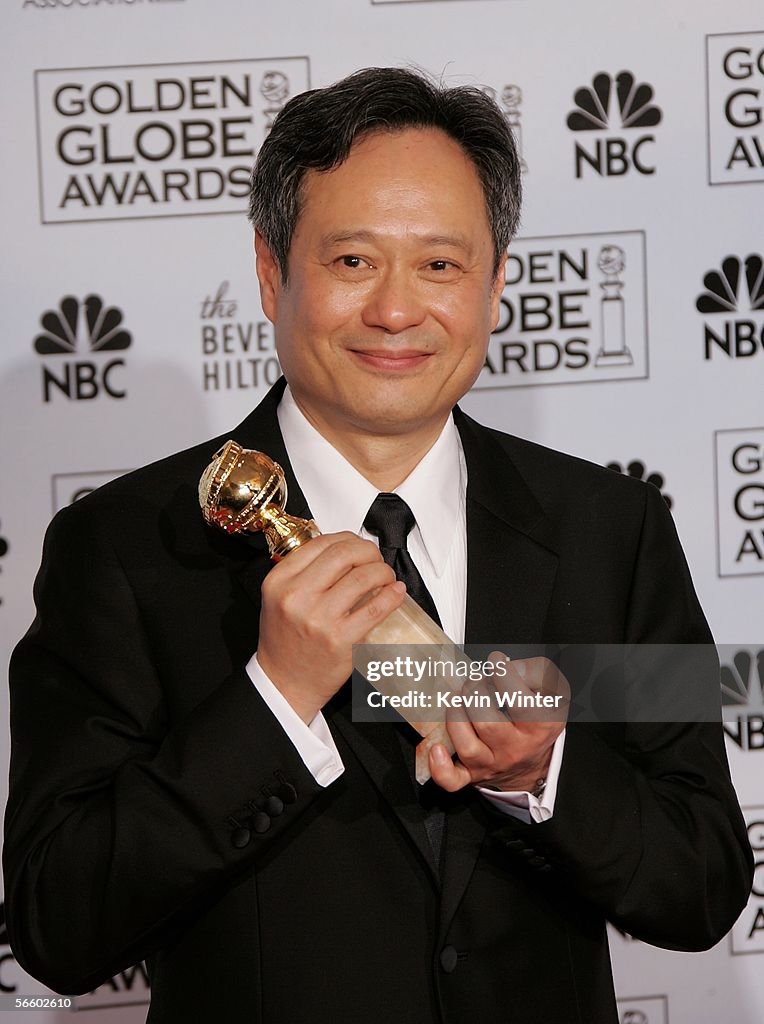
x=3, y=553
x=7, y=959
x=608, y=106
x=742, y=682
x=638, y=470
x=737, y=288
x=74, y=329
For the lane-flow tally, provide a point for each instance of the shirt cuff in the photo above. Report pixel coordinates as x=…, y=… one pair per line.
x=314, y=743
x=526, y=806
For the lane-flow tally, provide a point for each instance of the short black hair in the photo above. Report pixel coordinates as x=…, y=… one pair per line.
x=317, y=129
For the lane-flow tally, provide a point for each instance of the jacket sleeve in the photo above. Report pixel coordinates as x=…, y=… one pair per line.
x=120, y=827
x=647, y=826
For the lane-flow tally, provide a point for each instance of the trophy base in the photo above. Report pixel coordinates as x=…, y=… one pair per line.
x=623, y=358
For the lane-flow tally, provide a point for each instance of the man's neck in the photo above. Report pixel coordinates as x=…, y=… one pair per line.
x=385, y=460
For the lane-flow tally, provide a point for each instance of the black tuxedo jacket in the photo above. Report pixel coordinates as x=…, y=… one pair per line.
x=157, y=809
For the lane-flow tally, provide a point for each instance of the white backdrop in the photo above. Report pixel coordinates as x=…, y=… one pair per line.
x=633, y=328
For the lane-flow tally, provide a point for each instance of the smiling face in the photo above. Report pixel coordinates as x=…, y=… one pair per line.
x=391, y=297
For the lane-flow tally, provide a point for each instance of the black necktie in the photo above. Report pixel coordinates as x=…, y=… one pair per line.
x=391, y=520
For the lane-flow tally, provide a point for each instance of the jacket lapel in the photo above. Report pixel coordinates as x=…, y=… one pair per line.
x=510, y=576
x=510, y=573
x=378, y=748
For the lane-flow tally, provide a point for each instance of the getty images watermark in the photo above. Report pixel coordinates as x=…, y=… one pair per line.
x=404, y=668
x=629, y=683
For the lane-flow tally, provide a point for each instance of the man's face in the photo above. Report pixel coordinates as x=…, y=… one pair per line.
x=391, y=297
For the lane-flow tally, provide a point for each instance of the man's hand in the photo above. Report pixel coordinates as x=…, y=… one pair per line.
x=511, y=751
x=316, y=604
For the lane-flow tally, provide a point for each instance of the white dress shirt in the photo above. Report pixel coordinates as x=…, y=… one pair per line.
x=339, y=498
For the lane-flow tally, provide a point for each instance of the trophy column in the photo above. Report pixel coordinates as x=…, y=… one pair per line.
x=613, y=348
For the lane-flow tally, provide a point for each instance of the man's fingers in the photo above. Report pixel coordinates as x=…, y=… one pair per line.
x=356, y=585
x=370, y=613
x=473, y=753
x=449, y=775
x=331, y=555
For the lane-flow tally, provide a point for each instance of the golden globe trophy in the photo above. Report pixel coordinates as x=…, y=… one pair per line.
x=244, y=491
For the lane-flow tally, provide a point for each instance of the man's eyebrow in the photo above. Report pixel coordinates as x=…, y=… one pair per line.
x=455, y=241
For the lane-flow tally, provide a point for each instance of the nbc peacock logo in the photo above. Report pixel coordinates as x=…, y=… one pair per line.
x=733, y=299
x=637, y=469
x=82, y=328
x=742, y=691
x=3, y=552
x=614, y=109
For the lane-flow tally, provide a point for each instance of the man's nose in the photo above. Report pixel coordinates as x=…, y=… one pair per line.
x=395, y=304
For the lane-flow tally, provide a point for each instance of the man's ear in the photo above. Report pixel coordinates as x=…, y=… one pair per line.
x=496, y=290
x=269, y=276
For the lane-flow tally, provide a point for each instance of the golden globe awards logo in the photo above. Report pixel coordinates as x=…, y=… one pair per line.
x=53, y=4
x=611, y=116
x=747, y=935
x=643, y=1010
x=574, y=309
x=735, y=90
x=238, y=354
x=740, y=501
x=509, y=99
x=70, y=487
x=404, y=1
x=130, y=987
x=155, y=140
x=78, y=328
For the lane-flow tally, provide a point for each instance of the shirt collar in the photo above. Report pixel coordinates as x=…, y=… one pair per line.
x=339, y=496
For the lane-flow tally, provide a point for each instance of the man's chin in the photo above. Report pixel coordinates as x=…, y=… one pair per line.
x=394, y=420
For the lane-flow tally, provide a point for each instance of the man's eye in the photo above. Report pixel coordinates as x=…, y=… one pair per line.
x=440, y=265
x=354, y=262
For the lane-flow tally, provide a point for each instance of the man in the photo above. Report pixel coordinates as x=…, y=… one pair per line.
x=187, y=782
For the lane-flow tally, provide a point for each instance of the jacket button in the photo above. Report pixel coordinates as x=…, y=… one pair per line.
x=273, y=806
x=529, y=852
x=448, y=958
x=537, y=862
x=287, y=792
x=240, y=837
x=514, y=844
x=261, y=822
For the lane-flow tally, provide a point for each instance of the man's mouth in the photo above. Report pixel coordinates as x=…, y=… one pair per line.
x=391, y=360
